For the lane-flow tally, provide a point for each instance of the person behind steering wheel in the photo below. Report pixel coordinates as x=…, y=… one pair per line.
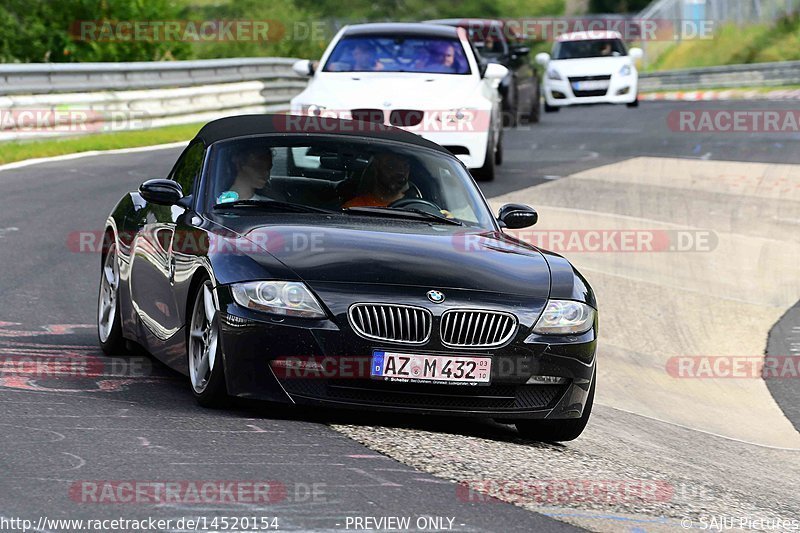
x=385, y=182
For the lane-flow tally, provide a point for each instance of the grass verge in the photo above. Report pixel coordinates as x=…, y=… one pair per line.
x=733, y=45
x=12, y=151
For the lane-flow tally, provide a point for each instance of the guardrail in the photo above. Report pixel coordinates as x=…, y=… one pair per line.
x=729, y=76
x=38, y=100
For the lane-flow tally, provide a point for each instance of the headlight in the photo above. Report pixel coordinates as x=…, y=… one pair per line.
x=289, y=298
x=553, y=74
x=625, y=71
x=564, y=317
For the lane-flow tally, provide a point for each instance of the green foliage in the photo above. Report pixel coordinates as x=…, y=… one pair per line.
x=414, y=10
x=47, y=31
x=50, y=31
x=736, y=45
x=11, y=151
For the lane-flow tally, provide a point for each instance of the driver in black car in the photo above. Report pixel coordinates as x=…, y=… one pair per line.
x=251, y=171
x=385, y=181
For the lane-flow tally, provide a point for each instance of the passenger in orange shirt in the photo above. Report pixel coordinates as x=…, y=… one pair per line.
x=385, y=181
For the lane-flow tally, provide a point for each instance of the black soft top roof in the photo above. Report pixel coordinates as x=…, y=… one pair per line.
x=401, y=28
x=303, y=126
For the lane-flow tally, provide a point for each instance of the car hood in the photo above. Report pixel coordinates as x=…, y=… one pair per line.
x=593, y=66
x=400, y=253
x=345, y=91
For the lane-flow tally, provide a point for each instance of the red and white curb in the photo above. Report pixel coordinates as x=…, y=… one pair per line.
x=731, y=94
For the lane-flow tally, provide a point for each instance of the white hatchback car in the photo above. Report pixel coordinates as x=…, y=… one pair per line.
x=423, y=78
x=590, y=68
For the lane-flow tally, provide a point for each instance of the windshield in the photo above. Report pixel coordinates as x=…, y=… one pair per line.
x=591, y=48
x=341, y=177
x=398, y=54
x=489, y=40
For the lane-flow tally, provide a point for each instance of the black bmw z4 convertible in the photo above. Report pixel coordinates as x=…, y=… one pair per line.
x=347, y=264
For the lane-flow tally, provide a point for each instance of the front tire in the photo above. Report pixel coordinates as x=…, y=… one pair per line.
x=635, y=103
x=109, y=322
x=551, y=108
x=536, y=107
x=558, y=430
x=206, y=369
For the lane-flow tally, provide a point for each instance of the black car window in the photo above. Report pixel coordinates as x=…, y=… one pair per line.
x=397, y=53
x=589, y=48
x=334, y=174
x=188, y=167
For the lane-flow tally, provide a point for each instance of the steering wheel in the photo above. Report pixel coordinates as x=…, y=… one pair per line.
x=413, y=191
x=418, y=203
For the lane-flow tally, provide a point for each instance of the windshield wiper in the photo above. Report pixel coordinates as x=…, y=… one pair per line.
x=402, y=213
x=275, y=205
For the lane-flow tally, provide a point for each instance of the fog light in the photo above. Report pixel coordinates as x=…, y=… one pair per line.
x=626, y=90
x=546, y=380
x=235, y=321
x=558, y=95
x=297, y=364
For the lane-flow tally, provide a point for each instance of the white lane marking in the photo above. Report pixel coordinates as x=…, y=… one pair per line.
x=81, y=461
x=383, y=481
x=90, y=153
x=733, y=439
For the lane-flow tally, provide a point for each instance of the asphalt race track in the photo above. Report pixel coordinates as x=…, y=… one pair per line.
x=659, y=449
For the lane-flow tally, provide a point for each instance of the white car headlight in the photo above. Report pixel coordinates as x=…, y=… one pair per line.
x=625, y=70
x=565, y=317
x=290, y=298
x=553, y=74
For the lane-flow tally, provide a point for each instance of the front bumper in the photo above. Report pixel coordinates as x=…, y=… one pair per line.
x=257, y=347
x=621, y=90
x=469, y=146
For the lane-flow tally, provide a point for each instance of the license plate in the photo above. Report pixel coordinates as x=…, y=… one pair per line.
x=591, y=85
x=416, y=368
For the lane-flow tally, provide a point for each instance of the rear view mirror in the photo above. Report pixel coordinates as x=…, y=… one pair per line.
x=543, y=59
x=161, y=192
x=495, y=71
x=520, y=50
x=517, y=216
x=304, y=67
x=636, y=53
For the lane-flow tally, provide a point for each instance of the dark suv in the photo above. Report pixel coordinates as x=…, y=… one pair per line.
x=497, y=43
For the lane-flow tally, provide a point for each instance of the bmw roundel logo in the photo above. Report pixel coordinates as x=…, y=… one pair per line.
x=436, y=297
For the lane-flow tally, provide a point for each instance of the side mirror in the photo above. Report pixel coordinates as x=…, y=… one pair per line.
x=161, y=192
x=520, y=50
x=495, y=71
x=516, y=216
x=636, y=53
x=304, y=67
x=543, y=59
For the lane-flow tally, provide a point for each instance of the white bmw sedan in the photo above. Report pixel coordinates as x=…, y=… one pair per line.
x=590, y=68
x=423, y=78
